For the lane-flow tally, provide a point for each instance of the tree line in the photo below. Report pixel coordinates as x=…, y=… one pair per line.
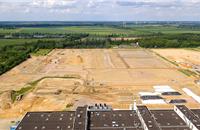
x=171, y=41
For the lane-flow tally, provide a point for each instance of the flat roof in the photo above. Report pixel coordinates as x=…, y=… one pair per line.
x=116, y=129
x=176, y=128
x=47, y=121
x=190, y=115
x=84, y=119
x=169, y=119
x=147, y=117
x=114, y=119
x=196, y=112
x=81, y=119
x=151, y=97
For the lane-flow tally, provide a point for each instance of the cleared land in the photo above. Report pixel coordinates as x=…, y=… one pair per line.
x=66, y=78
x=188, y=59
x=180, y=55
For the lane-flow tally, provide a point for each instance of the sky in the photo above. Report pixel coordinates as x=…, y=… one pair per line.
x=99, y=10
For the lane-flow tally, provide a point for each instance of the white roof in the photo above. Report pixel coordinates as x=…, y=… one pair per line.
x=157, y=101
x=161, y=90
x=148, y=94
x=193, y=95
x=161, y=86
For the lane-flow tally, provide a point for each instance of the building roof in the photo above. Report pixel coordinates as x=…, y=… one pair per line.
x=196, y=112
x=81, y=119
x=169, y=120
x=85, y=119
x=189, y=115
x=147, y=119
x=114, y=119
x=47, y=121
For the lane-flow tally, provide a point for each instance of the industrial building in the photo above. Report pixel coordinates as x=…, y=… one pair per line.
x=102, y=117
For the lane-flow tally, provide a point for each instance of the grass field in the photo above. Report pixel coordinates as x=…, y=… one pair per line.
x=92, y=30
x=72, y=29
x=4, y=42
x=82, y=29
x=42, y=52
x=164, y=29
x=194, y=49
x=104, y=30
x=22, y=91
x=9, y=30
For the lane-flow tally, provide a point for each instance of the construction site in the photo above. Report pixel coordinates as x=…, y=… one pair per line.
x=184, y=58
x=67, y=78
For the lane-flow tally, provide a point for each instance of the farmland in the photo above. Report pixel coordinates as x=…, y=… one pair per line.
x=83, y=29
x=104, y=30
x=91, y=30
x=6, y=42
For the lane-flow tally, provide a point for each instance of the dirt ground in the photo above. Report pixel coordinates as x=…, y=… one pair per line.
x=6, y=123
x=180, y=55
x=186, y=59
x=112, y=76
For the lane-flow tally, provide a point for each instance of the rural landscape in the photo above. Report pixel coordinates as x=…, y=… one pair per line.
x=99, y=65
x=60, y=67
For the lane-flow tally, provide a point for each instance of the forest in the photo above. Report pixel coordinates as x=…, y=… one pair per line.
x=171, y=41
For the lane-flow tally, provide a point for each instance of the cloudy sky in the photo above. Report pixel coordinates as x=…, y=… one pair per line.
x=99, y=10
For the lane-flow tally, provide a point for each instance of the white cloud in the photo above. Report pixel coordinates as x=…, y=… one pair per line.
x=53, y=4
x=100, y=9
x=159, y=3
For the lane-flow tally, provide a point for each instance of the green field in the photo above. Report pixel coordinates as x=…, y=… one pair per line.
x=21, y=92
x=165, y=29
x=130, y=31
x=42, y=52
x=193, y=49
x=105, y=30
x=9, y=30
x=97, y=30
x=4, y=42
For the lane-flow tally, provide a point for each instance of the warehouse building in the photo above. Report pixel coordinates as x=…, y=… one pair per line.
x=89, y=118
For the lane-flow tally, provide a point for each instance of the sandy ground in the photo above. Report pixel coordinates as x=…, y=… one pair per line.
x=180, y=55
x=6, y=123
x=112, y=76
x=184, y=58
